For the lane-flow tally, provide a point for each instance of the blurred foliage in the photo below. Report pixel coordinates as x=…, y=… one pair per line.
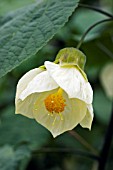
x=24, y=130
x=13, y=159
x=20, y=136
x=103, y=111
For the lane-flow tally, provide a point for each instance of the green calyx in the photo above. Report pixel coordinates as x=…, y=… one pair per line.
x=71, y=56
x=42, y=67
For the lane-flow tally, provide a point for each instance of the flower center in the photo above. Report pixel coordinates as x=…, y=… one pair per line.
x=55, y=103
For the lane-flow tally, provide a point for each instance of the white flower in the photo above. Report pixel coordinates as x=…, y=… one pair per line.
x=59, y=97
x=106, y=78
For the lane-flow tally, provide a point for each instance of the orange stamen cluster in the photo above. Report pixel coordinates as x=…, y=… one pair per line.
x=55, y=103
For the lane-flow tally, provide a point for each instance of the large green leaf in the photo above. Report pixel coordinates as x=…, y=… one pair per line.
x=30, y=30
x=13, y=159
x=9, y=5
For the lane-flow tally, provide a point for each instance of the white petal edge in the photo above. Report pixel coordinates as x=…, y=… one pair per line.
x=72, y=81
x=40, y=83
x=87, y=93
x=24, y=81
x=87, y=121
x=73, y=114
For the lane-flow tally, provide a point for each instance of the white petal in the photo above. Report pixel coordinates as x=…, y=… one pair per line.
x=87, y=121
x=87, y=93
x=26, y=107
x=72, y=81
x=73, y=114
x=40, y=83
x=23, y=82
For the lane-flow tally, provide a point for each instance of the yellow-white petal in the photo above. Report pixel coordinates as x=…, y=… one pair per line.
x=71, y=80
x=22, y=84
x=74, y=112
x=87, y=121
x=26, y=106
x=40, y=83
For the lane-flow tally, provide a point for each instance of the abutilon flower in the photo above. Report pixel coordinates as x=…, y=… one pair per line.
x=58, y=95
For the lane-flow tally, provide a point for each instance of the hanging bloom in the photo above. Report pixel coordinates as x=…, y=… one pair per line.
x=58, y=95
x=106, y=78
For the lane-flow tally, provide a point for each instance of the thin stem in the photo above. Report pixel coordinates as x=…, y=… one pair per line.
x=66, y=150
x=89, y=29
x=83, y=142
x=96, y=9
x=106, y=145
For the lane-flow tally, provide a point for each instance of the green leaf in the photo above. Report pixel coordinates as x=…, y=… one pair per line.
x=25, y=34
x=9, y=5
x=11, y=15
x=107, y=4
x=17, y=129
x=12, y=159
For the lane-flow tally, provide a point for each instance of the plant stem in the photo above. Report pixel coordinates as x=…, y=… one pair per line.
x=83, y=142
x=106, y=145
x=96, y=9
x=66, y=150
x=89, y=29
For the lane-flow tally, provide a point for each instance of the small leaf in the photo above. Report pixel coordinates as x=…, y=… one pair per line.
x=25, y=34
